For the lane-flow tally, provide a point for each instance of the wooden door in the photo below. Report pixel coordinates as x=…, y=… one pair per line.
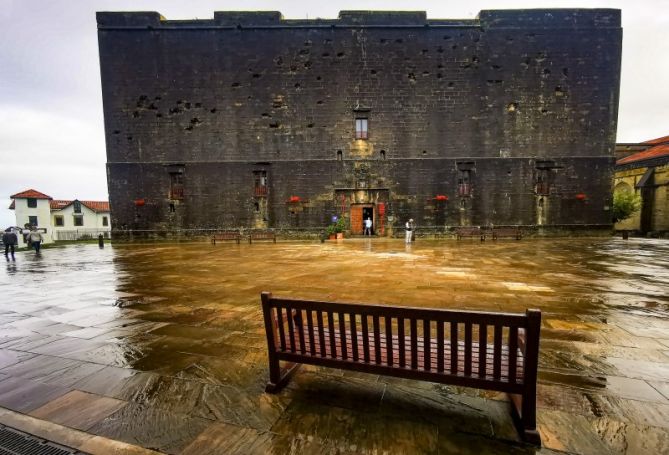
x=356, y=219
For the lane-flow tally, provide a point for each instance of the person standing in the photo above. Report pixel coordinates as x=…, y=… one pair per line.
x=368, y=227
x=409, y=228
x=36, y=238
x=10, y=240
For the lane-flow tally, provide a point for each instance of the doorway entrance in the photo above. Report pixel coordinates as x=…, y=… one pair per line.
x=368, y=213
x=359, y=213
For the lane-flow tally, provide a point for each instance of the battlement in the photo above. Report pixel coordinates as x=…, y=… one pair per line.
x=521, y=18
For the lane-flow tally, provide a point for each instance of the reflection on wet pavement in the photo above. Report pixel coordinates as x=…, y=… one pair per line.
x=163, y=345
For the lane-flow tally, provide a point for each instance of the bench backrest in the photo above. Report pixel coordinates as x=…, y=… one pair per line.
x=482, y=345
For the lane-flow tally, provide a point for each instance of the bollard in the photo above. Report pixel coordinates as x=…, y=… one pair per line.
x=626, y=234
x=101, y=241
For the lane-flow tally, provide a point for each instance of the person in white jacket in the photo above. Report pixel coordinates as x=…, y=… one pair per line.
x=35, y=239
x=409, y=228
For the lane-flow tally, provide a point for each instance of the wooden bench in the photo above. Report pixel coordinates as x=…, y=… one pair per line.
x=493, y=351
x=462, y=232
x=509, y=233
x=228, y=235
x=262, y=235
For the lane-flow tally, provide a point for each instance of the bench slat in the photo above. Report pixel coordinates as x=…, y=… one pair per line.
x=342, y=335
x=377, y=339
x=468, y=348
x=389, y=340
x=414, y=344
x=427, y=344
x=282, y=335
x=497, y=350
x=301, y=334
x=291, y=331
x=400, y=336
x=321, y=331
x=365, y=338
x=333, y=348
x=354, y=336
x=440, y=346
x=483, y=344
x=513, y=348
x=454, y=347
x=310, y=325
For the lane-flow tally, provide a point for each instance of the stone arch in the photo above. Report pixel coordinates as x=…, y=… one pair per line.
x=623, y=187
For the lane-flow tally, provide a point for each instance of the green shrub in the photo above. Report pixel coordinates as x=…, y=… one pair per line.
x=625, y=204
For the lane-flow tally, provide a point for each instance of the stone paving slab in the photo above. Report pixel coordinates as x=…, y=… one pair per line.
x=163, y=346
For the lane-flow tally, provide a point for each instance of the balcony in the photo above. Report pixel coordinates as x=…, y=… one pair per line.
x=260, y=191
x=177, y=193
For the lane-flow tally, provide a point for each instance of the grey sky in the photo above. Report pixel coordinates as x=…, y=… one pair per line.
x=51, y=126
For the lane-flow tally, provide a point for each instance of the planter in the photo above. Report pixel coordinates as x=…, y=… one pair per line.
x=340, y=235
x=332, y=236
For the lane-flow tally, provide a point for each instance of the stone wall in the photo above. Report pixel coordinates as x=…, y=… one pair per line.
x=502, y=103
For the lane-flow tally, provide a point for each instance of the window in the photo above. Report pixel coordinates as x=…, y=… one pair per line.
x=465, y=183
x=78, y=220
x=77, y=207
x=32, y=203
x=105, y=221
x=58, y=221
x=176, y=186
x=361, y=131
x=260, y=183
x=33, y=220
x=543, y=186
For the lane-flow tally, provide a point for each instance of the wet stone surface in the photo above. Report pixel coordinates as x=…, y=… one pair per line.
x=163, y=345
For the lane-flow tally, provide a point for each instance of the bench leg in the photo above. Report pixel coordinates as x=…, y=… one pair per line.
x=525, y=414
x=279, y=377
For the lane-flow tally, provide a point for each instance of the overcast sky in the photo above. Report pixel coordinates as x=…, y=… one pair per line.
x=51, y=126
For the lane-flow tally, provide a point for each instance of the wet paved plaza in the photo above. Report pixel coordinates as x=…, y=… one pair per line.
x=163, y=345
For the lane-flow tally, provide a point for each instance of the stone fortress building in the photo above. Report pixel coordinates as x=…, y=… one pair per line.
x=250, y=120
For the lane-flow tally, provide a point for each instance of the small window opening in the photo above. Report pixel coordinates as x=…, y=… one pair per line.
x=105, y=221
x=383, y=154
x=58, y=221
x=339, y=155
x=32, y=202
x=172, y=207
x=78, y=220
x=77, y=207
x=32, y=220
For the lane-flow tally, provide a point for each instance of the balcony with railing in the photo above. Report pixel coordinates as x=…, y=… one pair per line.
x=260, y=191
x=177, y=193
x=464, y=189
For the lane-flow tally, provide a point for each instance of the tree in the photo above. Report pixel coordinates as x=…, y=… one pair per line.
x=625, y=204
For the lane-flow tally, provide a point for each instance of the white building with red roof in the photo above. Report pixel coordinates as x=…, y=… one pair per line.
x=60, y=219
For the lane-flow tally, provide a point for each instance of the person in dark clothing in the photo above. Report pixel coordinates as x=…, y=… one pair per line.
x=10, y=240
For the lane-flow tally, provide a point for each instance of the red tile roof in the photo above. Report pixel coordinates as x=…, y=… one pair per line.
x=30, y=194
x=96, y=206
x=57, y=204
x=659, y=140
x=653, y=152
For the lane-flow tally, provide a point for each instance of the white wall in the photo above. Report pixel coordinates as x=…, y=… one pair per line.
x=42, y=212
